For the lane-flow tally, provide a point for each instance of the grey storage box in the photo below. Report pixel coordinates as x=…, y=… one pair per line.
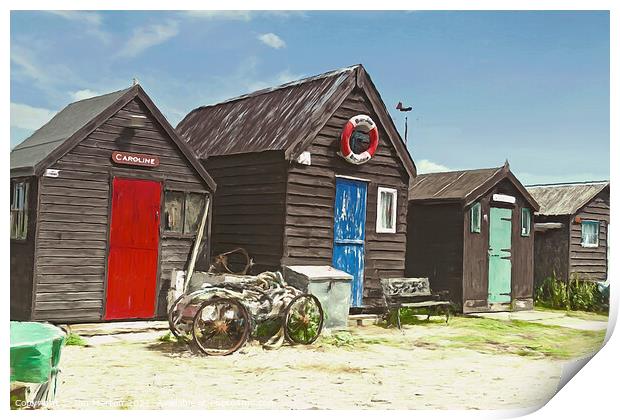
x=331, y=286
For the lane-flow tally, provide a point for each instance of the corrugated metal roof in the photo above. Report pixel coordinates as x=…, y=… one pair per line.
x=269, y=119
x=561, y=199
x=455, y=185
x=60, y=128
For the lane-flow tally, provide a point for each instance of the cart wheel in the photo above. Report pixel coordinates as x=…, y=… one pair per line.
x=221, y=326
x=303, y=319
x=175, y=314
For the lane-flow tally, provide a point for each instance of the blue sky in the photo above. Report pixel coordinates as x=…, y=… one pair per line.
x=530, y=87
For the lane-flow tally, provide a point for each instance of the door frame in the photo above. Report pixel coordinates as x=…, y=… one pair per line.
x=138, y=176
x=367, y=182
x=511, y=207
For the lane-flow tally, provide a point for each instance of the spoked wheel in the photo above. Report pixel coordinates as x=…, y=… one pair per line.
x=303, y=319
x=182, y=311
x=221, y=326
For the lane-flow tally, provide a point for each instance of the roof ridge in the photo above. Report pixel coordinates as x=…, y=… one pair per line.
x=270, y=89
x=460, y=170
x=566, y=184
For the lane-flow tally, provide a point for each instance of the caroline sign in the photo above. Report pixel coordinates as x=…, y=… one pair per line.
x=135, y=159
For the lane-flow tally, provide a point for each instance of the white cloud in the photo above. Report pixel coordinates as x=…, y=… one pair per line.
x=240, y=15
x=22, y=59
x=243, y=15
x=29, y=117
x=272, y=40
x=79, y=95
x=425, y=166
x=146, y=37
x=91, y=20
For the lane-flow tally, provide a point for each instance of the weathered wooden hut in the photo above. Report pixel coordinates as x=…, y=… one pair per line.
x=572, y=228
x=470, y=233
x=105, y=201
x=287, y=192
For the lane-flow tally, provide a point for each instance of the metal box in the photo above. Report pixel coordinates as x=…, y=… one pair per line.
x=331, y=286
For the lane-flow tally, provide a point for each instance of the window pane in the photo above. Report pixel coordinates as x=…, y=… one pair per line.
x=173, y=211
x=525, y=222
x=475, y=218
x=194, y=208
x=19, y=210
x=387, y=205
x=386, y=210
x=589, y=233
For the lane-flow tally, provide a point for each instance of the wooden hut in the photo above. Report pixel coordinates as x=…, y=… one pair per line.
x=88, y=191
x=572, y=228
x=287, y=194
x=470, y=233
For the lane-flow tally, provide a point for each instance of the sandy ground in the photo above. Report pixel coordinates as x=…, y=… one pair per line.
x=140, y=372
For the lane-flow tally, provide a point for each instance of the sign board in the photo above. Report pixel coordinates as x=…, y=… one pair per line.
x=52, y=173
x=503, y=198
x=135, y=159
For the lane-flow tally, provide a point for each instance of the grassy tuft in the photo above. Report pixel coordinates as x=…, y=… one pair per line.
x=75, y=340
x=516, y=337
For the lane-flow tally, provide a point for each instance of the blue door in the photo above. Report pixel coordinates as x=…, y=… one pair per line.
x=349, y=228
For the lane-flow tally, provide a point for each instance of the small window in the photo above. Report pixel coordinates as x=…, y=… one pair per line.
x=194, y=207
x=526, y=222
x=476, y=218
x=19, y=210
x=386, y=210
x=589, y=233
x=173, y=211
x=182, y=211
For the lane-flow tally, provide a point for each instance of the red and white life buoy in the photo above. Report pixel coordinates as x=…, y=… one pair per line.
x=345, y=147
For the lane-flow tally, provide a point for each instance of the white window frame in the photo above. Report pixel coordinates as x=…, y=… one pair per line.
x=19, y=210
x=475, y=220
x=526, y=229
x=598, y=233
x=394, y=193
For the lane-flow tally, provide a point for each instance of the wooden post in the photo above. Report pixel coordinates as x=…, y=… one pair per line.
x=199, y=234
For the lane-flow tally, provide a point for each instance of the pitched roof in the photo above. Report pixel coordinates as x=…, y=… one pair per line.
x=463, y=186
x=285, y=117
x=76, y=121
x=59, y=129
x=567, y=198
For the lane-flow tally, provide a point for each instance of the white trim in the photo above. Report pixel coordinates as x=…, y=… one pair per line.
x=504, y=198
x=353, y=178
x=394, y=192
x=598, y=233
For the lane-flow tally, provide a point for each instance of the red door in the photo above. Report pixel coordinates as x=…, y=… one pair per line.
x=134, y=248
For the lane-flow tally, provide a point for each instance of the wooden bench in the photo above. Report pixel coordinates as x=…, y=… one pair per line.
x=412, y=293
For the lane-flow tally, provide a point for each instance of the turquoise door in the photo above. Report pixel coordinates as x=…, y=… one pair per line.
x=349, y=233
x=500, y=264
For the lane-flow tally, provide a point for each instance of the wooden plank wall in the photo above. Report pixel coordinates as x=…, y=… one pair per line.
x=71, y=250
x=22, y=259
x=249, y=205
x=551, y=250
x=308, y=234
x=475, y=259
x=590, y=263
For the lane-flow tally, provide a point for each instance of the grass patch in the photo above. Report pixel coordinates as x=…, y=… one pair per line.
x=586, y=316
x=167, y=338
x=348, y=340
x=75, y=340
x=516, y=337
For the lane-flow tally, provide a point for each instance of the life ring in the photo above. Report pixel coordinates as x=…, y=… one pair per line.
x=345, y=147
